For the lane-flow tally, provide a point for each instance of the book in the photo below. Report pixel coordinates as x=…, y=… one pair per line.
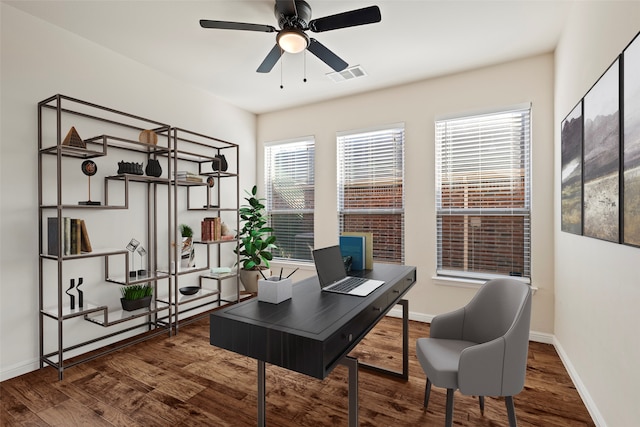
x=75, y=236
x=66, y=228
x=368, y=251
x=210, y=229
x=52, y=236
x=354, y=246
x=85, y=243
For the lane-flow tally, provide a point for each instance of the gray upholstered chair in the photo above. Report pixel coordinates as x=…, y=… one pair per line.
x=480, y=349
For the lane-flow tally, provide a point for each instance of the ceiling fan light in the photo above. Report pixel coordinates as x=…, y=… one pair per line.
x=292, y=40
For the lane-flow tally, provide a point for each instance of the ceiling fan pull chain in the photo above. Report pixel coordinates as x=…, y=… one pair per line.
x=304, y=58
x=281, y=61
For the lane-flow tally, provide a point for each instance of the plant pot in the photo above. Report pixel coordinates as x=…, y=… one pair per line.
x=135, y=304
x=249, y=279
x=153, y=168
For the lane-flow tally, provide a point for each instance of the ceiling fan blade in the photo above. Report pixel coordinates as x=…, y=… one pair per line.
x=270, y=60
x=286, y=7
x=367, y=15
x=326, y=56
x=226, y=25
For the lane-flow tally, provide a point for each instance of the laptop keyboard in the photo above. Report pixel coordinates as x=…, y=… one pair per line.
x=348, y=284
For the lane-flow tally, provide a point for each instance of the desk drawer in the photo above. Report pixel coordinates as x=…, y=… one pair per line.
x=398, y=290
x=352, y=333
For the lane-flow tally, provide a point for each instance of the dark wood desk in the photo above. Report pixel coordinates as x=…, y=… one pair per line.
x=314, y=331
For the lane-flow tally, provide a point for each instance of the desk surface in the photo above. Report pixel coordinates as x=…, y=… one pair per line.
x=313, y=330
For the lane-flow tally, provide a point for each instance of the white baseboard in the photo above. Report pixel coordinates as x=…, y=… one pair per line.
x=582, y=390
x=19, y=369
x=544, y=338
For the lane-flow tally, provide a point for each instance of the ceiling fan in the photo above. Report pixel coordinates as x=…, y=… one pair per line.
x=294, y=18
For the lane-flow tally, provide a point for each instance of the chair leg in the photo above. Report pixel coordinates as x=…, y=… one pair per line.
x=481, y=401
x=511, y=411
x=427, y=393
x=448, y=422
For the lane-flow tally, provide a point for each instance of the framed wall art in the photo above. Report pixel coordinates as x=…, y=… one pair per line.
x=601, y=164
x=631, y=143
x=571, y=181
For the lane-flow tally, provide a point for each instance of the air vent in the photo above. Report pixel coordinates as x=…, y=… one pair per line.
x=347, y=74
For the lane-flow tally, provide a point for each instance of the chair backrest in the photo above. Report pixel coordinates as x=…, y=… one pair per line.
x=494, y=309
x=501, y=309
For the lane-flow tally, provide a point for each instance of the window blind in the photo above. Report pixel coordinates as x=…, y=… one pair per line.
x=289, y=184
x=483, y=194
x=371, y=188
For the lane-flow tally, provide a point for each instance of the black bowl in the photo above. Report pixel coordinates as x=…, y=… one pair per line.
x=189, y=290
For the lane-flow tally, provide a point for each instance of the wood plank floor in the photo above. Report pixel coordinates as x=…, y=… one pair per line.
x=184, y=381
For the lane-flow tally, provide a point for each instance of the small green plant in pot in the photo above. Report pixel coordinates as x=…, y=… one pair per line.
x=256, y=241
x=135, y=297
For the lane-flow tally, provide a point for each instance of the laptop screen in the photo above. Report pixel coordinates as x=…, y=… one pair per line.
x=329, y=265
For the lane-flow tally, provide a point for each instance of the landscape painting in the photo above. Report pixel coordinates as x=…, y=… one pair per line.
x=601, y=167
x=571, y=147
x=631, y=150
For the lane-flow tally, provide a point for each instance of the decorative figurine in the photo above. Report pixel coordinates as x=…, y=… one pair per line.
x=80, y=293
x=131, y=247
x=89, y=168
x=72, y=305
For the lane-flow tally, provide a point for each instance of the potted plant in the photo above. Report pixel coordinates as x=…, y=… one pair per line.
x=255, y=241
x=135, y=297
x=187, y=253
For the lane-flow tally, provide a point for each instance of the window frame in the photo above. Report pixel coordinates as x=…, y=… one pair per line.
x=525, y=212
x=269, y=196
x=341, y=138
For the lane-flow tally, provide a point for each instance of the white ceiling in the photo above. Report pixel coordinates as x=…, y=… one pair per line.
x=415, y=40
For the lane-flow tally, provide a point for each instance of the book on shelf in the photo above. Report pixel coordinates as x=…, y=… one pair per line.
x=187, y=176
x=211, y=229
x=354, y=246
x=75, y=238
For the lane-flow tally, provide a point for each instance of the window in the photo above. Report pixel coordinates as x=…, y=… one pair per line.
x=371, y=188
x=289, y=184
x=483, y=194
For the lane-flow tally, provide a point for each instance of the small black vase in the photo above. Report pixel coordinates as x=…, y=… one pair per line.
x=153, y=168
x=221, y=162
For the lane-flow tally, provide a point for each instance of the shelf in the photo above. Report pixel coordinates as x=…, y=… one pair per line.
x=214, y=242
x=70, y=151
x=183, y=299
x=127, y=144
x=92, y=254
x=68, y=312
x=126, y=281
x=184, y=270
x=221, y=276
x=115, y=316
x=138, y=178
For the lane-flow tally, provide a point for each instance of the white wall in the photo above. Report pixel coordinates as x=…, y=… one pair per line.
x=38, y=61
x=528, y=80
x=597, y=283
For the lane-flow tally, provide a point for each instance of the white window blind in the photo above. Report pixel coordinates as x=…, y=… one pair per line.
x=289, y=183
x=371, y=188
x=483, y=194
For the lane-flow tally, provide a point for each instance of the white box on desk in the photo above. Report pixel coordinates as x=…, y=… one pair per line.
x=274, y=290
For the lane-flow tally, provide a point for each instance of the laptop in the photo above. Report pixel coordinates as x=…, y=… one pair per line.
x=333, y=277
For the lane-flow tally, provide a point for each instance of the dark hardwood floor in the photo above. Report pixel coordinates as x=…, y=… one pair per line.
x=184, y=381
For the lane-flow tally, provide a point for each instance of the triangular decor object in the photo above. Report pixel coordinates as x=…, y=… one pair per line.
x=73, y=139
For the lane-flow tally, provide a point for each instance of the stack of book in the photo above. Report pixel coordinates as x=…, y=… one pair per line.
x=187, y=176
x=211, y=229
x=75, y=239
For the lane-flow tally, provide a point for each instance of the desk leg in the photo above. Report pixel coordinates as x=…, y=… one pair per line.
x=261, y=394
x=404, y=374
x=352, y=364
